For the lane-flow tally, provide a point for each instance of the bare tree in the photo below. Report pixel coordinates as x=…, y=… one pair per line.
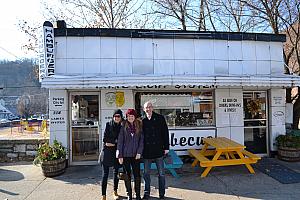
x=290, y=17
x=100, y=13
x=202, y=16
x=267, y=10
x=184, y=14
x=87, y=13
x=283, y=17
x=233, y=16
x=273, y=12
x=31, y=104
x=291, y=21
x=23, y=106
x=175, y=10
x=30, y=29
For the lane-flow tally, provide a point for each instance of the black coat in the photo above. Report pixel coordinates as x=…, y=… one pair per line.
x=156, y=136
x=111, y=134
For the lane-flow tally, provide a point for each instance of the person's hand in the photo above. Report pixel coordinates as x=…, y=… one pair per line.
x=166, y=152
x=138, y=156
x=109, y=144
x=121, y=161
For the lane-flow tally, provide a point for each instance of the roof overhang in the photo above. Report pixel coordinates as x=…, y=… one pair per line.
x=128, y=81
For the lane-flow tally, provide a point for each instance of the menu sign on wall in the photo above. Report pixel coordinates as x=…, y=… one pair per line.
x=230, y=104
x=58, y=101
x=57, y=117
x=277, y=100
x=57, y=110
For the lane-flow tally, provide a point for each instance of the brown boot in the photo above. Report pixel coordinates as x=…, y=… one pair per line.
x=116, y=196
x=103, y=197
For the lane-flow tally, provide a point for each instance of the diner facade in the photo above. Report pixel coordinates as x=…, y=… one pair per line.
x=205, y=84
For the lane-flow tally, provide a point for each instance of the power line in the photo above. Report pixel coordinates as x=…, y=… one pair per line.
x=9, y=52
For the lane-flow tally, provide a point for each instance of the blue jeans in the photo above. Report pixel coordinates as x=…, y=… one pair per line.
x=161, y=175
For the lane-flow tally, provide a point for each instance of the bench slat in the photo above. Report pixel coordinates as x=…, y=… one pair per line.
x=217, y=163
x=198, y=156
x=221, y=143
x=175, y=163
x=251, y=155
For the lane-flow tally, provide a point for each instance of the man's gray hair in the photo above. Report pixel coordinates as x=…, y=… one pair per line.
x=148, y=103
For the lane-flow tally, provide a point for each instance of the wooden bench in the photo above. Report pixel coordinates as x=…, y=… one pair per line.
x=171, y=163
x=226, y=153
x=250, y=155
x=199, y=157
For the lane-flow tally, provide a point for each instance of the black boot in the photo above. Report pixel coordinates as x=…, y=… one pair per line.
x=128, y=189
x=137, y=188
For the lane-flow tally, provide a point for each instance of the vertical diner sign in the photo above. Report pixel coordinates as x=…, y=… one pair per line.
x=46, y=51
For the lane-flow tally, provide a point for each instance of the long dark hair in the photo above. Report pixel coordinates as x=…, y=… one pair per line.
x=137, y=123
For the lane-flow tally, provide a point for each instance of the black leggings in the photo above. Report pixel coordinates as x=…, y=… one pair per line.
x=132, y=163
x=105, y=173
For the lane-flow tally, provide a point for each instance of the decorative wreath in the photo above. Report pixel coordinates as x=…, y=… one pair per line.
x=254, y=106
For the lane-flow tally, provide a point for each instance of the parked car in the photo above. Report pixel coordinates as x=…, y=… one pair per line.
x=14, y=118
x=4, y=122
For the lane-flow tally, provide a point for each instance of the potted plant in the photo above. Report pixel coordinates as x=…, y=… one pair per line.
x=52, y=158
x=288, y=147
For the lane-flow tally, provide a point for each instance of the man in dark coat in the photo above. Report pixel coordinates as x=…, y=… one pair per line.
x=156, y=145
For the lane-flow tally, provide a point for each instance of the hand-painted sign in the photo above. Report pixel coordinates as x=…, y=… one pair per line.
x=188, y=139
x=120, y=99
x=230, y=104
x=58, y=101
x=277, y=100
x=115, y=98
x=167, y=87
x=110, y=98
x=46, y=51
x=57, y=117
x=279, y=117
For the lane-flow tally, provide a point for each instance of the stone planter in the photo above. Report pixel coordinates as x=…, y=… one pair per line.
x=54, y=167
x=289, y=154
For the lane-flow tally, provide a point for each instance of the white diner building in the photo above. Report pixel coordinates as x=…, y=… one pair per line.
x=204, y=83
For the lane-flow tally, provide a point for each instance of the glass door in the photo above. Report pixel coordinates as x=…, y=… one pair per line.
x=84, y=127
x=255, y=121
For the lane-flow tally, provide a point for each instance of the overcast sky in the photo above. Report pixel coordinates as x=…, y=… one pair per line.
x=11, y=39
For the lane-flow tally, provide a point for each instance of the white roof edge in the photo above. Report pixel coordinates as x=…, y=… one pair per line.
x=92, y=82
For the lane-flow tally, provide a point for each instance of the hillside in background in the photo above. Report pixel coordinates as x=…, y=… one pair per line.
x=18, y=78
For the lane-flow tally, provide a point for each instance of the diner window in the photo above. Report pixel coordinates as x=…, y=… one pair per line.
x=182, y=110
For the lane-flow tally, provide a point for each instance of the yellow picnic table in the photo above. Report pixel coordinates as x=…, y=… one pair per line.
x=226, y=152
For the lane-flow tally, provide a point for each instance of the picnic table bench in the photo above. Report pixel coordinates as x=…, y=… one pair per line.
x=226, y=152
x=171, y=162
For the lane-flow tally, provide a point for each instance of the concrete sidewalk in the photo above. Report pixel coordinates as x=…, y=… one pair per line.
x=25, y=181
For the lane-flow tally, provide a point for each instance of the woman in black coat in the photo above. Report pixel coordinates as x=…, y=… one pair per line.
x=109, y=159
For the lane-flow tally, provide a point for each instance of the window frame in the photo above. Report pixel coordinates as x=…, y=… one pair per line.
x=139, y=107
